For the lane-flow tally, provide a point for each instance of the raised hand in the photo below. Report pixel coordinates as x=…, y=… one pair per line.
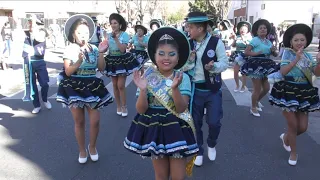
x=192, y=56
x=80, y=57
x=209, y=66
x=273, y=48
x=140, y=80
x=299, y=53
x=177, y=80
x=104, y=45
x=115, y=35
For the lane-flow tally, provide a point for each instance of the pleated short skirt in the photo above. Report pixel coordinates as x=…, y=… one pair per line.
x=122, y=65
x=295, y=97
x=83, y=92
x=140, y=55
x=258, y=67
x=159, y=133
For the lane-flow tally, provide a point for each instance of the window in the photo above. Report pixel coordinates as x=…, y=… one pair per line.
x=251, y=19
x=243, y=3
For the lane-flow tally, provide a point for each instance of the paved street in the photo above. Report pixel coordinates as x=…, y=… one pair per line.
x=43, y=146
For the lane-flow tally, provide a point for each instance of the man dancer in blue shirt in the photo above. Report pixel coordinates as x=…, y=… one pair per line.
x=34, y=66
x=206, y=63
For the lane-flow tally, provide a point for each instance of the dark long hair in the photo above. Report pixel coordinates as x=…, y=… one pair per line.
x=173, y=43
x=74, y=26
x=120, y=20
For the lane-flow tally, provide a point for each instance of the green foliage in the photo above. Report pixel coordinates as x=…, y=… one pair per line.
x=199, y=5
x=176, y=17
x=215, y=9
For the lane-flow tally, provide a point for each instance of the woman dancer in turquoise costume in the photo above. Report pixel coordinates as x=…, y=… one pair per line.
x=163, y=128
x=240, y=42
x=140, y=43
x=119, y=63
x=79, y=88
x=294, y=93
x=258, y=64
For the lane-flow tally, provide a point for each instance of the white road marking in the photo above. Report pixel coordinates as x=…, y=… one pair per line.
x=241, y=99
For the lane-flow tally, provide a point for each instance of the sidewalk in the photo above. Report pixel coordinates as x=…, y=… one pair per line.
x=12, y=80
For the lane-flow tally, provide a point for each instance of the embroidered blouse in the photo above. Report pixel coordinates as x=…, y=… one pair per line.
x=113, y=48
x=295, y=73
x=241, y=44
x=184, y=87
x=258, y=45
x=89, y=64
x=137, y=45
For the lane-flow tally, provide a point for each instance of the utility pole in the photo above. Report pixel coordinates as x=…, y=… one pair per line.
x=247, y=9
x=222, y=9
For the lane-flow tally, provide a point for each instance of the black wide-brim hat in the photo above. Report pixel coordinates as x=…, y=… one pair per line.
x=73, y=19
x=297, y=29
x=145, y=30
x=94, y=18
x=211, y=23
x=227, y=23
x=244, y=23
x=256, y=25
x=224, y=24
x=178, y=36
x=122, y=22
x=155, y=21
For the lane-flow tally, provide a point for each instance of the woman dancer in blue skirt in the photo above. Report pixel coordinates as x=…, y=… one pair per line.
x=163, y=128
x=259, y=64
x=295, y=93
x=119, y=63
x=140, y=43
x=79, y=87
x=240, y=42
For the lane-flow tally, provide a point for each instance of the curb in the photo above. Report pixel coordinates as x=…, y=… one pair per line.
x=7, y=88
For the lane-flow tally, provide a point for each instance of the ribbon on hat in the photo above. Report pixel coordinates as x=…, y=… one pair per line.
x=198, y=19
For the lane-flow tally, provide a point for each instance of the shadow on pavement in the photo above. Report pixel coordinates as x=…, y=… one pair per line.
x=248, y=147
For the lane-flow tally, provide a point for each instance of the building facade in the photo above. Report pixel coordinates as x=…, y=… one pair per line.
x=277, y=12
x=238, y=11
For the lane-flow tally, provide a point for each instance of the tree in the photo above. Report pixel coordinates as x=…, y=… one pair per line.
x=177, y=16
x=152, y=5
x=163, y=8
x=144, y=6
x=199, y=5
x=126, y=8
x=141, y=9
x=219, y=9
x=121, y=5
